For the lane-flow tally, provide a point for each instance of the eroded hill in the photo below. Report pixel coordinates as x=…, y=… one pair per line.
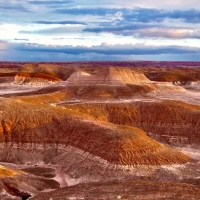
x=66, y=124
x=28, y=124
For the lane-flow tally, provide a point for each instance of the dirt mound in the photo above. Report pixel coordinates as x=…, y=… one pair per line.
x=177, y=78
x=33, y=123
x=107, y=76
x=35, y=79
x=62, y=72
x=172, y=122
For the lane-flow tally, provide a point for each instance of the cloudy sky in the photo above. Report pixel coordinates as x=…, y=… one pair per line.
x=76, y=30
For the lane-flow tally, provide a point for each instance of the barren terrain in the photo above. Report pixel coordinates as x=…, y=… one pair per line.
x=100, y=130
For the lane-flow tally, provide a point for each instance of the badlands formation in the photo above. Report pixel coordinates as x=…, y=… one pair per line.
x=107, y=130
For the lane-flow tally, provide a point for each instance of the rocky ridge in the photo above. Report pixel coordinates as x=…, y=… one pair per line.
x=55, y=125
x=35, y=79
x=166, y=121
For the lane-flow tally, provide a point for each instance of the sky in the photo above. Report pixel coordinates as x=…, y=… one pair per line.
x=90, y=30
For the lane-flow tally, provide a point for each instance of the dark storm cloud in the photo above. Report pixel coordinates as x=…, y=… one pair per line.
x=141, y=30
x=16, y=51
x=142, y=22
x=144, y=15
x=139, y=22
x=110, y=50
x=59, y=22
x=156, y=15
x=87, y=11
x=119, y=28
x=12, y=8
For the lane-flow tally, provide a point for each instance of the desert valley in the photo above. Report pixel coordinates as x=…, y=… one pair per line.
x=100, y=130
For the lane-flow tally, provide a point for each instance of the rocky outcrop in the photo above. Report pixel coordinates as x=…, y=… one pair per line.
x=6, y=79
x=52, y=69
x=26, y=125
x=176, y=77
x=17, y=185
x=6, y=172
x=35, y=79
x=107, y=76
x=117, y=83
x=175, y=123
